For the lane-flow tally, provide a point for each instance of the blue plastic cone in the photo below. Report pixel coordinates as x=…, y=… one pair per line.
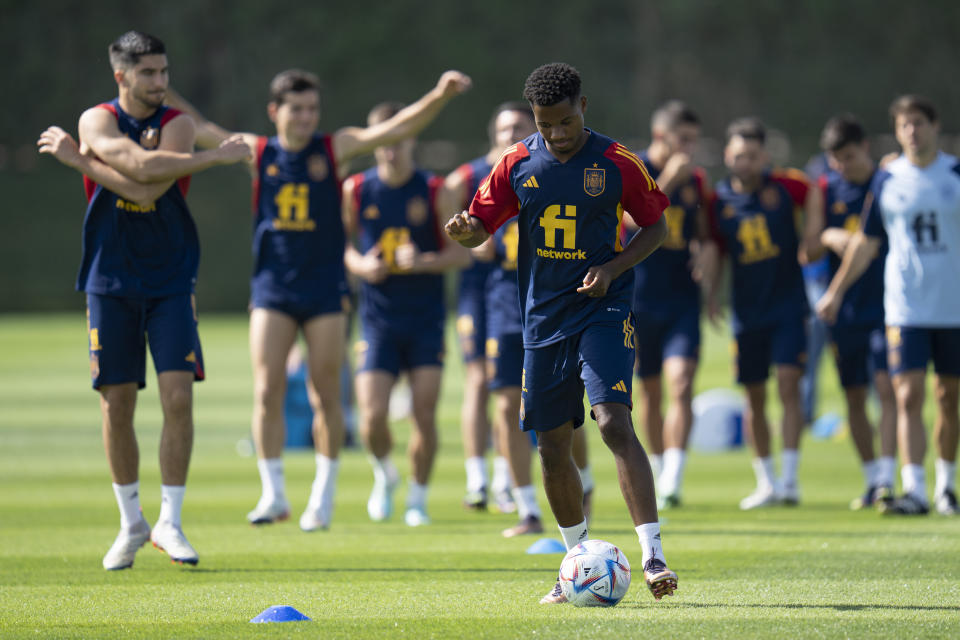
x=547, y=545
x=280, y=613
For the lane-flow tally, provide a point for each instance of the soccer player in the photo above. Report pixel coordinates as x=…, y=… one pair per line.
x=400, y=257
x=511, y=122
x=299, y=281
x=570, y=187
x=139, y=267
x=914, y=205
x=858, y=332
x=666, y=298
x=754, y=220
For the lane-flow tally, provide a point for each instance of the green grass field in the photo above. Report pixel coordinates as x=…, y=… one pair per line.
x=815, y=571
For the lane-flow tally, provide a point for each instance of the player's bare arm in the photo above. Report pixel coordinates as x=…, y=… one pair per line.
x=451, y=255
x=861, y=250
x=174, y=157
x=210, y=135
x=350, y=142
x=644, y=242
x=466, y=229
x=836, y=239
x=814, y=221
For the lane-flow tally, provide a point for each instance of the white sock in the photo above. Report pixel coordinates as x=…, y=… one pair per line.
x=417, y=496
x=324, y=484
x=526, y=499
x=501, y=475
x=572, y=536
x=946, y=475
x=671, y=478
x=271, y=479
x=649, y=535
x=886, y=471
x=171, y=504
x=383, y=470
x=914, y=481
x=128, y=499
x=476, y=473
x=656, y=465
x=870, y=472
x=586, y=478
x=763, y=470
x=789, y=461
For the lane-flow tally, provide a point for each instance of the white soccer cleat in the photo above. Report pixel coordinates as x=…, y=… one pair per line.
x=269, y=512
x=761, y=497
x=789, y=495
x=416, y=517
x=169, y=538
x=380, y=504
x=125, y=547
x=317, y=517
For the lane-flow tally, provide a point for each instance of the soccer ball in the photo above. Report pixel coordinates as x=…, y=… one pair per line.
x=594, y=574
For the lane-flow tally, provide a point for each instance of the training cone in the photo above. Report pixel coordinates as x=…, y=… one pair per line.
x=547, y=545
x=280, y=613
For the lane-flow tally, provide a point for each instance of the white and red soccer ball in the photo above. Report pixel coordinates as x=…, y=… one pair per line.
x=594, y=573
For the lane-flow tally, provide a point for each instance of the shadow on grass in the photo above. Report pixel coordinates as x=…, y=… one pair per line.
x=361, y=570
x=834, y=607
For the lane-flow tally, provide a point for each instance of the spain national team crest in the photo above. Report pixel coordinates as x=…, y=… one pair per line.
x=417, y=211
x=728, y=212
x=273, y=170
x=770, y=198
x=318, y=167
x=372, y=212
x=150, y=138
x=689, y=195
x=594, y=181
x=839, y=207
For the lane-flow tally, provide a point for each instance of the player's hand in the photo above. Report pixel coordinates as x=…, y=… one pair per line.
x=373, y=268
x=407, y=257
x=596, y=282
x=828, y=307
x=678, y=169
x=61, y=145
x=453, y=83
x=234, y=149
x=463, y=227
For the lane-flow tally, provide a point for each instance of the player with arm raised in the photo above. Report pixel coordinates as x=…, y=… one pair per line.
x=753, y=215
x=299, y=281
x=914, y=205
x=139, y=268
x=399, y=255
x=857, y=332
x=569, y=187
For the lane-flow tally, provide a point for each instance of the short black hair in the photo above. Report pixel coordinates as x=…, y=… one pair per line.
x=672, y=114
x=912, y=102
x=126, y=51
x=840, y=131
x=383, y=112
x=511, y=105
x=748, y=128
x=552, y=83
x=292, y=81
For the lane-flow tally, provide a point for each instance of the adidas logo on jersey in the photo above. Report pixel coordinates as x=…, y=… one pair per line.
x=532, y=183
x=620, y=386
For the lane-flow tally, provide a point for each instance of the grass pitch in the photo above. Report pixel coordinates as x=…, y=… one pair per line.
x=814, y=571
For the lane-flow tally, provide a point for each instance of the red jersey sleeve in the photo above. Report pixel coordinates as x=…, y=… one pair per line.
x=641, y=197
x=495, y=201
x=713, y=219
x=795, y=182
x=258, y=154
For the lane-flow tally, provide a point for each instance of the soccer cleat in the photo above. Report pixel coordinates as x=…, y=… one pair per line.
x=906, y=505
x=476, y=500
x=125, y=547
x=882, y=497
x=529, y=525
x=872, y=497
x=169, y=538
x=416, y=517
x=503, y=501
x=269, y=512
x=761, y=497
x=555, y=596
x=946, y=503
x=789, y=495
x=314, y=520
x=380, y=504
x=661, y=580
x=671, y=501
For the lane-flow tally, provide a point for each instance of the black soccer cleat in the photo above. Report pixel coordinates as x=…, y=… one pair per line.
x=905, y=505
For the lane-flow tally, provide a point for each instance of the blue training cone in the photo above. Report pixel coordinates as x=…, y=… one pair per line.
x=280, y=613
x=547, y=545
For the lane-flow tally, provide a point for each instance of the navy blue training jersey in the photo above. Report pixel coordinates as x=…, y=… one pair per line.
x=134, y=251
x=503, y=297
x=569, y=220
x=387, y=218
x=473, y=279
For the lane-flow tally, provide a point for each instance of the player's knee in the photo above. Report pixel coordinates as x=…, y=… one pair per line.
x=947, y=397
x=615, y=429
x=178, y=402
x=681, y=388
x=910, y=396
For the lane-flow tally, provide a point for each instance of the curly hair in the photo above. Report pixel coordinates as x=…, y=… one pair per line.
x=552, y=83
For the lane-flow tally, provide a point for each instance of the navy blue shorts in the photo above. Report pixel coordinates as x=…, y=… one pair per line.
x=394, y=350
x=505, y=361
x=860, y=351
x=662, y=336
x=910, y=348
x=119, y=330
x=335, y=299
x=757, y=349
x=598, y=359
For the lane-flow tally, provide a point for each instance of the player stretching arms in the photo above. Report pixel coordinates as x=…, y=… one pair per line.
x=753, y=218
x=570, y=187
x=140, y=258
x=299, y=281
x=400, y=257
x=857, y=332
x=666, y=299
x=914, y=204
